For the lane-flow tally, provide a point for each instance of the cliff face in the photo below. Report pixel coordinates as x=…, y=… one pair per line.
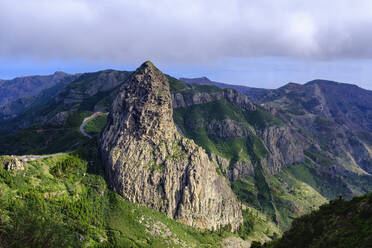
x=283, y=148
x=148, y=161
x=186, y=99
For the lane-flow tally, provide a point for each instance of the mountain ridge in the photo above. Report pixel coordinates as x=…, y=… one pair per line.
x=283, y=153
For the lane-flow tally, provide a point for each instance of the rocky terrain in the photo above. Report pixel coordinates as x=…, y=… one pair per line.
x=149, y=161
x=253, y=93
x=249, y=160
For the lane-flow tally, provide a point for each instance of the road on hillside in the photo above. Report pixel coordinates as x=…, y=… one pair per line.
x=85, y=121
x=34, y=157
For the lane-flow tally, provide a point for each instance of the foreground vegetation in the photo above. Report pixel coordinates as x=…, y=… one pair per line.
x=340, y=223
x=64, y=201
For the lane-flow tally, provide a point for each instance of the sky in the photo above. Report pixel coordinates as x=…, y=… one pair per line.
x=258, y=43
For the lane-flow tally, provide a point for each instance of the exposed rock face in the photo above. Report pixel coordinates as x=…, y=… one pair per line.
x=283, y=148
x=227, y=129
x=252, y=93
x=148, y=161
x=188, y=99
x=12, y=163
x=331, y=119
x=235, y=171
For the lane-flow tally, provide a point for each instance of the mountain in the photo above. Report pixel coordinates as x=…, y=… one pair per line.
x=338, y=224
x=67, y=200
x=88, y=92
x=278, y=155
x=252, y=93
x=28, y=87
x=149, y=161
x=332, y=121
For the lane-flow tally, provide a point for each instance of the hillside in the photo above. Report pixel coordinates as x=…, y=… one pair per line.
x=28, y=87
x=252, y=93
x=90, y=92
x=340, y=223
x=284, y=153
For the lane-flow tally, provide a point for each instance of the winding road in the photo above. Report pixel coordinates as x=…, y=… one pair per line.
x=85, y=121
x=31, y=157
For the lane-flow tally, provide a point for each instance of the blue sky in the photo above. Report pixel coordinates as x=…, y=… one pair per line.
x=258, y=43
x=265, y=72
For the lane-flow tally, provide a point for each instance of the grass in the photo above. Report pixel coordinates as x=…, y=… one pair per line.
x=193, y=122
x=340, y=224
x=46, y=139
x=175, y=84
x=64, y=201
x=96, y=125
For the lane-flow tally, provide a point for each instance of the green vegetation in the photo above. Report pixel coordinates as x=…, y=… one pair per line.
x=272, y=195
x=193, y=122
x=321, y=182
x=260, y=119
x=46, y=139
x=319, y=158
x=340, y=223
x=175, y=84
x=258, y=227
x=96, y=125
x=64, y=201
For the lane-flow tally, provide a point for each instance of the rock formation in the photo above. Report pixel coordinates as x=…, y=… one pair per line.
x=185, y=99
x=12, y=163
x=148, y=161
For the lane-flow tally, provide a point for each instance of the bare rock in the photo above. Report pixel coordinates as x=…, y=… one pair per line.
x=227, y=129
x=148, y=161
x=185, y=99
x=283, y=148
x=12, y=163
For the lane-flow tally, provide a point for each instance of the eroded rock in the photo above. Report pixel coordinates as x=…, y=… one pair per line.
x=148, y=161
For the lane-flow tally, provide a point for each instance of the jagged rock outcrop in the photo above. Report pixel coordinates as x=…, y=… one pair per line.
x=185, y=99
x=12, y=163
x=233, y=171
x=148, y=161
x=283, y=149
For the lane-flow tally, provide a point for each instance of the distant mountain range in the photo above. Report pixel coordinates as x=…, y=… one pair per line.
x=281, y=153
x=26, y=87
x=253, y=93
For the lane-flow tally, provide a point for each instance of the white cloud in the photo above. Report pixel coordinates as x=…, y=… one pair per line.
x=179, y=31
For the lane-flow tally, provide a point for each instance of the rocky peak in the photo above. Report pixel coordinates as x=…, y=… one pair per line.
x=148, y=161
x=148, y=104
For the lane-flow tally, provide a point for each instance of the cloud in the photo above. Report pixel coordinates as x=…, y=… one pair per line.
x=184, y=31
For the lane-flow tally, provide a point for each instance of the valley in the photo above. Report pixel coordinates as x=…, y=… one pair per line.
x=180, y=163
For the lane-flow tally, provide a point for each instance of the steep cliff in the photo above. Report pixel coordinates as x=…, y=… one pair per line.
x=148, y=161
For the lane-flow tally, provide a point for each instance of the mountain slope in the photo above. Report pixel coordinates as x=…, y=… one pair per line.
x=89, y=92
x=64, y=201
x=252, y=93
x=284, y=154
x=149, y=161
x=337, y=224
x=26, y=87
x=332, y=122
